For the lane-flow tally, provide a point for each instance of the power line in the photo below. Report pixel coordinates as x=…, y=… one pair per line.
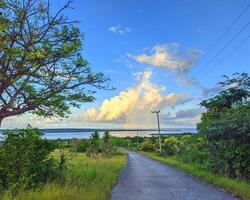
x=224, y=47
x=229, y=53
x=223, y=34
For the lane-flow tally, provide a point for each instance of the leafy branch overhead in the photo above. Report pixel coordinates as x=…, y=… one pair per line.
x=237, y=92
x=41, y=66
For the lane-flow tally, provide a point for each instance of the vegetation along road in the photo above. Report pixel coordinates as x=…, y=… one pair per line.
x=146, y=179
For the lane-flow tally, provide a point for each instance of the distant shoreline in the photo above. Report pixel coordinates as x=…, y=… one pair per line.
x=84, y=133
x=58, y=130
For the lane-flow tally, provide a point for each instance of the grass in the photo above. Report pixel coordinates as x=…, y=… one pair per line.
x=86, y=178
x=237, y=187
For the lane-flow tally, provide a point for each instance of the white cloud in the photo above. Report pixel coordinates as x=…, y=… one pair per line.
x=170, y=57
x=119, y=30
x=132, y=107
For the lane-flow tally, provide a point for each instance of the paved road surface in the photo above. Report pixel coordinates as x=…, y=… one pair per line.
x=147, y=179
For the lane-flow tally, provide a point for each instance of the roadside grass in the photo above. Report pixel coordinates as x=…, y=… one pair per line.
x=237, y=187
x=86, y=178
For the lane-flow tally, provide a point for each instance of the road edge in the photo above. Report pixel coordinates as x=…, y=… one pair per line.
x=238, y=188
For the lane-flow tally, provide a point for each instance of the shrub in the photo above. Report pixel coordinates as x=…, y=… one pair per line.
x=194, y=149
x=171, y=146
x=228, y=140
x=147, y=145
x=24, y=159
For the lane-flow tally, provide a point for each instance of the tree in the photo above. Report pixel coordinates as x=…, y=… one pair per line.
x=42, y=70
x=236, y=92
x=226, y=127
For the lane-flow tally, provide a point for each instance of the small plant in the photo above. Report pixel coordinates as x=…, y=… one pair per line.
x=62, y=163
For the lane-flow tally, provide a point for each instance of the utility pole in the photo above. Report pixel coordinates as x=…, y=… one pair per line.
x=159, y=129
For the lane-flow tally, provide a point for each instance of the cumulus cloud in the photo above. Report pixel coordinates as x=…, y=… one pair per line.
x=119, y=30
x=170, y=57
x=132, y=107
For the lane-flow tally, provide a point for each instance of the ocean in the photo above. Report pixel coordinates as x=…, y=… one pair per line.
x=84, y=133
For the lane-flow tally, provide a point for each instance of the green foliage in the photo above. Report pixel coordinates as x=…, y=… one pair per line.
x=223, y=142
x=62, y=163
x=94, y=149
x=227, y=129
x=106, y=137
x=147, y=146
x=187, y=148
x=230, y=157
x=231, y=124
x=24, y=159
x=127, y=142
x=236, y=92
x=121, y=142
x=90, y=179
x=107, y=146
x=44, y=72
x=194, y=149
x=171, y=146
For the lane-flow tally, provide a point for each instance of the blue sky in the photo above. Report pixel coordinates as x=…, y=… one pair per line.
x=153, y=51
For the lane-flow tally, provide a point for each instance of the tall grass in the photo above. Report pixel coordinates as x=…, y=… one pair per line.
x=85, y=178
x=237, y=187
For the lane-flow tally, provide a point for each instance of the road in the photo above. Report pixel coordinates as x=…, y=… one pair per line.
x=147, y=179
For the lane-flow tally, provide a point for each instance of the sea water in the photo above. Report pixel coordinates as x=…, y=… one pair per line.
x=85, y=133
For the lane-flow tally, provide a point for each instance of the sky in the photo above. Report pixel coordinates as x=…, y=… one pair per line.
x=159, y=55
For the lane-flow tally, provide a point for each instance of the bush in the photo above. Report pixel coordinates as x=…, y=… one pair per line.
x=171, y=146
x=194, y=149
x=228, y=140
x=230, y=157
x=147, y=146
x=187, y=148
x=24, y=159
